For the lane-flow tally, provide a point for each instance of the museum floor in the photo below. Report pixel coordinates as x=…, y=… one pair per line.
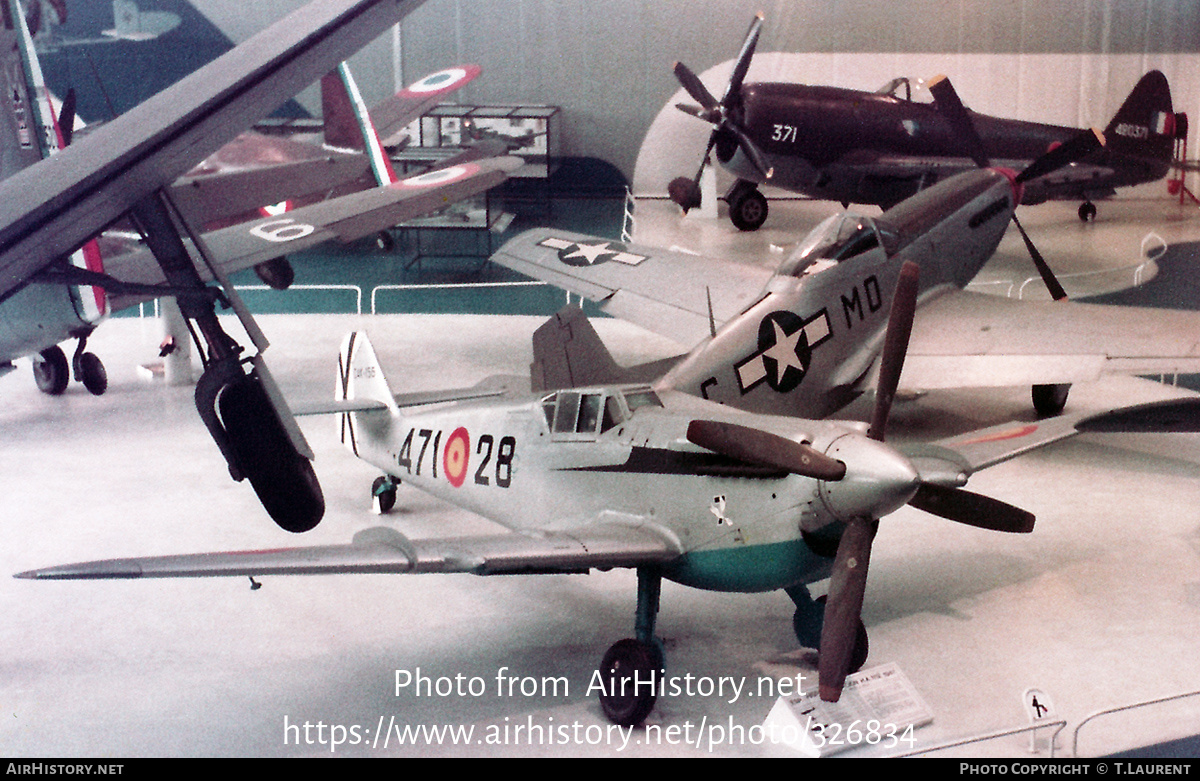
x=1099, y=608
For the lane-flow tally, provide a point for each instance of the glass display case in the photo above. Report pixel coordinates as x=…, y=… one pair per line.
x=531, y=132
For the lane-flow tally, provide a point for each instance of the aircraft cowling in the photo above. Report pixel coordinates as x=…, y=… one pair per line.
x=879, y=480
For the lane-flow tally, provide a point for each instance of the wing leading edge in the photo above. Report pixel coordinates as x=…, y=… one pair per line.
x=965, y=339
x=664, y=291
x=385, y=551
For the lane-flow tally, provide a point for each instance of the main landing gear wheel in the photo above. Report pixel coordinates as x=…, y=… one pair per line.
x=52, y=373
x=627, y=663
x=1049, y=400
x=90, y=371
x=747, y=208
x=283, y=479
x=1087, y=211
x=384, y=489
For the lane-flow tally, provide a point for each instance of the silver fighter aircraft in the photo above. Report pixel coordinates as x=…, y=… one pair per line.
x=805, y=338
x=654, y=479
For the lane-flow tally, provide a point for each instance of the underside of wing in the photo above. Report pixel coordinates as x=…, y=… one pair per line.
x=51, y=208
x=384, y=550
x=966, y=339
x=664, y=291
x=345, y=219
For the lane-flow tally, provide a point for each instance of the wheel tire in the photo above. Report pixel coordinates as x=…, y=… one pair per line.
x=93, y=376
x=1087, y=211
x=622, y=704
x=284, y=480
x=52, y=373
x=1050, y=400
x=748, y=211
x=385, y=495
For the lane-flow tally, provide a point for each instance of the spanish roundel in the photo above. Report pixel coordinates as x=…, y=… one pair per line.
x=456, y=456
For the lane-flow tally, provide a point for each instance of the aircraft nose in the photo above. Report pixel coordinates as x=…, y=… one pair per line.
x=878, y=481
x=1017, y=188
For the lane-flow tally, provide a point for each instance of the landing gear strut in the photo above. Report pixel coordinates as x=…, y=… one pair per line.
x=631, y=668
x=242, y=409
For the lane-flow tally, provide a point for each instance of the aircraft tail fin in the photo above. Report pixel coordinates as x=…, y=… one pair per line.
x=348, y=124
x=568, y=353
x=1144, y=126
x=360, y=377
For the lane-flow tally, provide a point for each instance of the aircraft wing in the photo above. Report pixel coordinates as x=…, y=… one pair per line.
x=254, y=170
x=345, y=219
x=385, y=550
x=53, y=207
x=664, y=291
x=966, y=339
x=950, y=461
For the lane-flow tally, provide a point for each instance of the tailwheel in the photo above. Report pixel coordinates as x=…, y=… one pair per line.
x=52, y=373
x=383, y=491
x=629, y=672
x=1050, y=400
x=1087, y=211
x=284, y=480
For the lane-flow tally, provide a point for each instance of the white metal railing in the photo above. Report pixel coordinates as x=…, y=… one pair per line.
x=355, y=288
x=1123, y=709
x=629, y=223
x=454, y=286
x=1060, y=724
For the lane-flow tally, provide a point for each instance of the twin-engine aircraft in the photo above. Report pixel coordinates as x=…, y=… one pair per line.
x=672, y=485
x=125, y=170
x=879, y=148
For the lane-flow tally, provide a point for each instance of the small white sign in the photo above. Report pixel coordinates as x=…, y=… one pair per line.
x=878, y=707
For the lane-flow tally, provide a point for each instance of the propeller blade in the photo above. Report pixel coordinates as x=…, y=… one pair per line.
x=1048, y=278
x=695, y=111
x=693, y=86
x=743, y=62
x=750, y=150
x=949, y=104
x=762, y=447
x=982, y=512
x=843, y=607
x=895, y=345
x=1063, y=154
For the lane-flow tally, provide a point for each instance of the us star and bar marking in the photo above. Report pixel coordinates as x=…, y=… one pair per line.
x=575, y=253
x=785, y=344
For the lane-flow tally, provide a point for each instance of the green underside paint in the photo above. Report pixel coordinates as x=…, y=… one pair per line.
x=750, y=568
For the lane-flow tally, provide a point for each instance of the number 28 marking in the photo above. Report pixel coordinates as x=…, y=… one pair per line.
x=495, y=459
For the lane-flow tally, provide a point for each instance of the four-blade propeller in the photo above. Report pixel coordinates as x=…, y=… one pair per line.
x=951, y=107
x=728, y=136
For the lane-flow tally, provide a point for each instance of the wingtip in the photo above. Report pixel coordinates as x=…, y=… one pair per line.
x=27, y=575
